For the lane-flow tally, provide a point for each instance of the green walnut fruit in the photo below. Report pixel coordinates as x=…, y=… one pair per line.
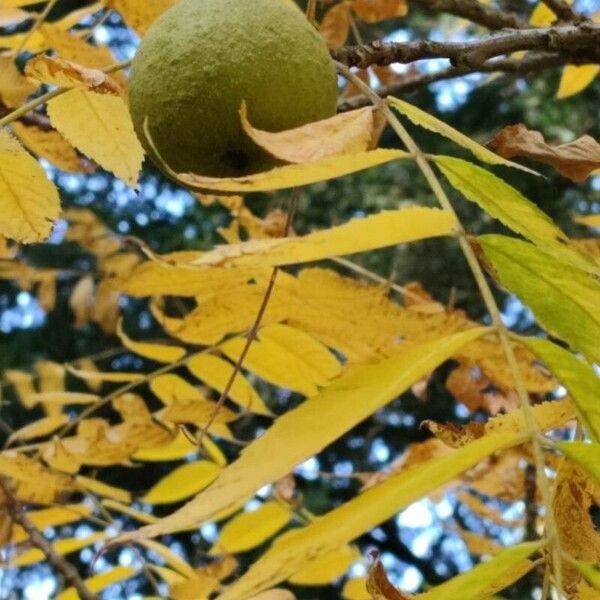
x=202, y=58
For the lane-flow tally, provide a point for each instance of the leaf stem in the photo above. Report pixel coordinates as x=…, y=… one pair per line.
x=38, y=23
x=492, y=307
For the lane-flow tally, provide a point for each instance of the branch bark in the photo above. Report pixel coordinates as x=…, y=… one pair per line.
x=474, y=11
x=580, y=43
x=68, y=571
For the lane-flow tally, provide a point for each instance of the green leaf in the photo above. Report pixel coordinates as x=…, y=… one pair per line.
x=508, y=205
x=306, y=430
x=489, y=577
x=585, y=455
x=580, y=379
x=431, y=123
x=565, y=300
x=290, y=553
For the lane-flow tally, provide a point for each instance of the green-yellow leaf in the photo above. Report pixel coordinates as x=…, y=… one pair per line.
x=306, y=430
x=579, y=378
x=250, y=529
x=215, y=372
x=294, y=175
x=98, y=582
x=62, y=547
x=100, y=126
x=326, y=568
x=564, y=300
x=431, y=123
x=348, y=521
x=585, y=455
x=30, y=202
x=489, y=577
x=182, y=482
x=589, y=220
x=387, y=228
x=508, y=205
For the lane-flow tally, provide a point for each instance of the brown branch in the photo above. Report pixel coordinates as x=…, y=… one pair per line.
x=32, y=118
x=68, y=571
x=529, y=64
x=474, y=11
x=563, y=11
x=580, y=42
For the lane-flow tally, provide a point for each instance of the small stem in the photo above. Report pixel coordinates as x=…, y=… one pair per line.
x=255, y=326
x=494, y=311
x=311, y=11
x=37, y=24
x=68, y=571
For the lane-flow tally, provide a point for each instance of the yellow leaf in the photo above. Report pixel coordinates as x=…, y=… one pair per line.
x=23, y=384
x=356, y=589
x=344, y=133
x=40, y=428
x=216, y=372
x=51, y=517
x=431, y=123
x=386, y=228
x=580, y=380
x=585, y=455
x=178, y=448
x=111, y=377
x=182, y=482
x=320, y=365
x=250, y=529
x=172, y=388
x=62, y=398
x=138, y=515
x=589, y=220
x=67, y=74
x=64, y=546
x=507, y=204
x=102, y=489
x=157, y=352
x=30, y=202
x=489, y=577
x=100, y=126
x=575, y=79
x=13, y=16
x=564, y=300
x=213, y=451
x=275, y=594
x=338, y=408
x=326, y=568
x=172, y=559
x=14, y=87
x=98, y=582
x=140, y=15
x=293, y=175
x=348, y=521
x=374, y=12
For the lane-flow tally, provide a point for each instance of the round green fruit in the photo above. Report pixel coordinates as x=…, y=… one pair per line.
x=202, y=58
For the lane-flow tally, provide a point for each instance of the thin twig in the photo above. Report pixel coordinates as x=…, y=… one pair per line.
x=563, y=10
x=494, y=311
x=37, y=539
x=255, y=326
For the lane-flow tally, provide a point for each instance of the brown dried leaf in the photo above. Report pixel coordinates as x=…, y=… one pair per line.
x=67, y=74
x=373, y=11
x=380, y=587
x=576, y=160
x=336, y=25
x=346, y=133
x=140, y=15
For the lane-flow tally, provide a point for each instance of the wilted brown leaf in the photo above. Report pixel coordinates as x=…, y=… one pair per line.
x=380, y=587
x=345, y=133
x=373, y=11
x=575, y=160
x=336, y=25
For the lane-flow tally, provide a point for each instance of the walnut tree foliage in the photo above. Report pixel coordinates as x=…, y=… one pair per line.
x=235, y=388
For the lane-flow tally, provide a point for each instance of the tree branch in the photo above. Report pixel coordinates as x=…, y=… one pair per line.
x=474, y=11
x=33, y=118
x=36, y=537
x=529, y=64
x=563, y=11
x=580, y=42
